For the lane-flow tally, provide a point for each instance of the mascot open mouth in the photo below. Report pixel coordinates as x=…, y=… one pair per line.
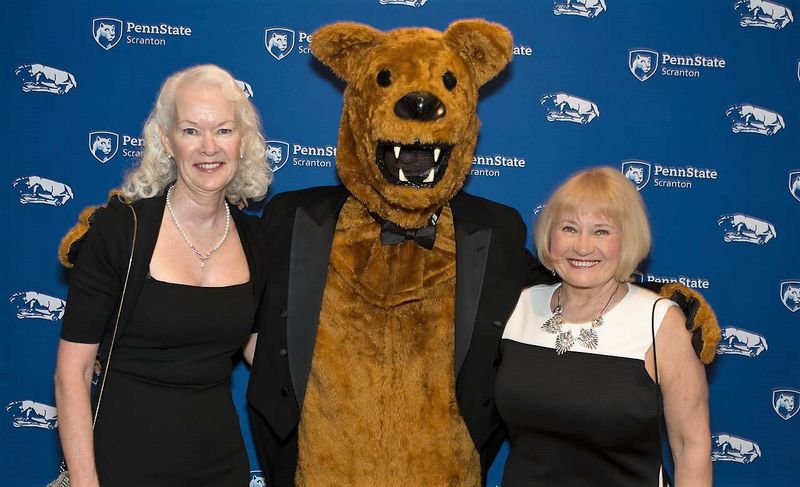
x=418, y=165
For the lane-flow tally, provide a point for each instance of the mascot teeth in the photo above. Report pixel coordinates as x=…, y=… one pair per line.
x=417, y=164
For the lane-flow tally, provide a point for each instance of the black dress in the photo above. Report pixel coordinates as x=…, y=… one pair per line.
x=166, y=416
x=586, y=418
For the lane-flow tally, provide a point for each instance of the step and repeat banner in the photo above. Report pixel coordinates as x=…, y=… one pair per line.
x=697, y=103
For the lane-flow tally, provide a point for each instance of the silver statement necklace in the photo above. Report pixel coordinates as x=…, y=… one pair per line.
x=203, y=258
x=564, y=339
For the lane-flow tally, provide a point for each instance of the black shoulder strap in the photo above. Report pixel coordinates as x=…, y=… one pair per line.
x=661, y=422
x=115, y=334
x=655, y=357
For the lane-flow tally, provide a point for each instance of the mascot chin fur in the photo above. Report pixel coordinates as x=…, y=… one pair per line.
x=387, y=296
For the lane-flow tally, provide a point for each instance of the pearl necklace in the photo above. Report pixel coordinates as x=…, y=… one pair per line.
x=564, y=339
x=197, y=253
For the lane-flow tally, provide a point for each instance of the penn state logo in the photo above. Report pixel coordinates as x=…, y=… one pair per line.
x=279, y=41
x=35, y=189
x=107, y=31
x=794, y=184
x=729, y=448
x=763, y=13
x=738, y=227
x=245, y=87
x=103, y=145
x=584, y=8
x=790, y=295
x=257, y=479
x=35, y=305
x=643, y=63
x=38, y=77
x=277, y=154
x=32, y=414
x=747, y=118
x=409, y=3
x=563, y=107
x=736, y=341
x=786, y=402
x=638, y=172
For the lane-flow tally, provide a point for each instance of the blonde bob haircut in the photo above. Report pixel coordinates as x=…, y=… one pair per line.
x=606, y=192
x=156, y=170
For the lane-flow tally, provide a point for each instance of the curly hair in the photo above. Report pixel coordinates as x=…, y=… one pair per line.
x=156, y=170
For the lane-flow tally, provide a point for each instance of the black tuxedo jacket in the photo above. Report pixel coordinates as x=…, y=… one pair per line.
x=492, y=266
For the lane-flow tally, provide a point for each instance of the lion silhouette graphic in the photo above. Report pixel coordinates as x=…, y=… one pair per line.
x=643, y=63
x=762, y=13
x=785, y=402
x=35, y=305
x=274, y=155
x=563, y=107
x=32, y=414
x=791, y=297
x=278, y=40
x=729, y=448
x=35, y=189
x=746, y=118
x=107, y=32
x=257, y=481
x=744, y=228
x=794, y=188
x=635, y=174
x=735, y=341
x=583, y=8
x=101, y=148
x=38, y=77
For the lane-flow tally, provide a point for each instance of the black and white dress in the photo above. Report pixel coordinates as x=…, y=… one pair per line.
x=587, y=417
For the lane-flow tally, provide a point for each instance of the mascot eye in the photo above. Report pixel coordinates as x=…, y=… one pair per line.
x=385, y=78
x=449, y=80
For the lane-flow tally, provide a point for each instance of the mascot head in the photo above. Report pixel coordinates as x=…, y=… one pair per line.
x=409, y=123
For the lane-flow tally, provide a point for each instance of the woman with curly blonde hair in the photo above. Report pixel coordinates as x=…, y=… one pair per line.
x=168, y=277
x=157, y=170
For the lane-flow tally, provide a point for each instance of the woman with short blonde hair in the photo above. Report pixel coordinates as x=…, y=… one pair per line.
x=587, y=361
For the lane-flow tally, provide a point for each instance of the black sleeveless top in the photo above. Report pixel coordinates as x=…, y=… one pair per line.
x=587, y=417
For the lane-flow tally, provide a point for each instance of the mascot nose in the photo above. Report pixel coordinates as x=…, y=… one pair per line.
x=420, y=106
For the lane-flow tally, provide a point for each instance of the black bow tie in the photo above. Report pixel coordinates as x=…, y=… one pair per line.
x=393, y=234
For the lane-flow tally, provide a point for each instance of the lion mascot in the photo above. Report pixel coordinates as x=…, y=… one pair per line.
x=387, y=295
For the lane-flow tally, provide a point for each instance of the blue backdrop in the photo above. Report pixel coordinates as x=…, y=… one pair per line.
x=697, y=102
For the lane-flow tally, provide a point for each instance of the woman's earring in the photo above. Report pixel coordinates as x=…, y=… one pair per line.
x=554, y=273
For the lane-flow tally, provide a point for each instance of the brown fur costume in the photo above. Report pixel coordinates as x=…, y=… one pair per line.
x=382, y=369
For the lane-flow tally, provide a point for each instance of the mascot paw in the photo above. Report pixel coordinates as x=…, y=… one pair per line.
x=71, y=243
x=700, y=319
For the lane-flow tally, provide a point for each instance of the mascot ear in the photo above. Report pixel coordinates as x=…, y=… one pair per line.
x=341, y=46
x=485, y=46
